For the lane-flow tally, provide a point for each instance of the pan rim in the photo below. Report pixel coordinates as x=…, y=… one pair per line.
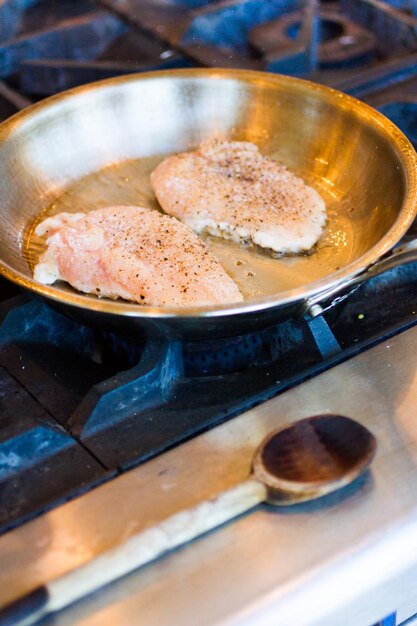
x=403, y=148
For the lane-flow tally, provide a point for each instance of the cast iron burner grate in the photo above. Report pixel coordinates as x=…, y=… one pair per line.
x=50, y=45
x=92, y=405
x=365, y=48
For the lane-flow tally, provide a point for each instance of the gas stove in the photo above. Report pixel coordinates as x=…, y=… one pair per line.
x=82, y=410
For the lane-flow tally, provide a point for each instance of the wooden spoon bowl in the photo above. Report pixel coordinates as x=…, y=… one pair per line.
x=312, y=457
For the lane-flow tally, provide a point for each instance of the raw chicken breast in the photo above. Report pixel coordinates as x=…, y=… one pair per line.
x=230, y=190
x=132, y=253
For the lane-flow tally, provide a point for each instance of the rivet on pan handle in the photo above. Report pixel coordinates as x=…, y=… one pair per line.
x=396, y=258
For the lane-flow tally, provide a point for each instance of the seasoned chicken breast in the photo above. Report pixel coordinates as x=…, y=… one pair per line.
x=230, y=190
x=132, y=253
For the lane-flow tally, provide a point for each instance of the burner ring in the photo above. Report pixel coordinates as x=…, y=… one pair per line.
x=342, y=42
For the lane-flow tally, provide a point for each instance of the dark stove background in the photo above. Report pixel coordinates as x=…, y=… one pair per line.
x=364, y=47
x=78, y=407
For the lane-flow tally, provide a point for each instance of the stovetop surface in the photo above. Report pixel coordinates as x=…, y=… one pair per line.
x=347, y=559
x=87, y=413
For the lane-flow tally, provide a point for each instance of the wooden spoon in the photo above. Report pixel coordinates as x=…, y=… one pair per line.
x=298, y=462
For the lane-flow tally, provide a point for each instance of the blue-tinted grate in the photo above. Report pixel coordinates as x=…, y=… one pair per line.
x=404, y=115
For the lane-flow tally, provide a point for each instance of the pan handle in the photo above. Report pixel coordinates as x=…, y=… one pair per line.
x=402, y=255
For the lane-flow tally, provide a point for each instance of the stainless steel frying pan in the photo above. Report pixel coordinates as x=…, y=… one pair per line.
x=96, y=145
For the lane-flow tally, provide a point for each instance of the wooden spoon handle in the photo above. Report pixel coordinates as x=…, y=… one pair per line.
x=138, y=550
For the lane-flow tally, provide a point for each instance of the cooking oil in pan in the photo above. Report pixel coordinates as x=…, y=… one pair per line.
x=256, y=273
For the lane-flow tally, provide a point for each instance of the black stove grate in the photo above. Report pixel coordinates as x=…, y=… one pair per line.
x=363, y=47
x=90, y=414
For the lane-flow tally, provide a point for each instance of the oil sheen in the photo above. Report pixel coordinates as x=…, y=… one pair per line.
x=256, y=273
